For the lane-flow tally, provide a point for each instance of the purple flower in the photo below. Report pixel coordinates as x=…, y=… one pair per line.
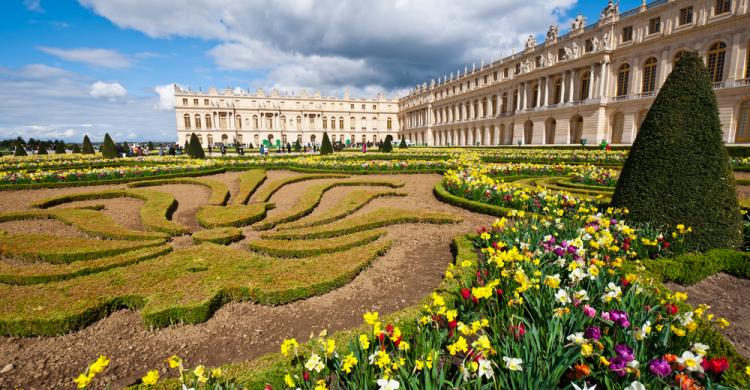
x=560, y=252
x=624, y=352
x=593, y=332
x=589, y=311
x=572, y=249
x=659, y=367
x=618, y=366
x=619, y=317
x=613, y=221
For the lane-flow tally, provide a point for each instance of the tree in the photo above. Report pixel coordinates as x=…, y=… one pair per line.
x=75, y=149
x=108, y=147
x=678, y=168
x=59, y=147
x=402, y=145
x=42, y=149
x=297, y=146
x=326, y=147
x=388, y=144
x=194, y=148
x=150, y=146
x=20, y=150
x=87, y=147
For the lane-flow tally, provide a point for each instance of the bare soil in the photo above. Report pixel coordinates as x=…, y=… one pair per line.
x=240, y=331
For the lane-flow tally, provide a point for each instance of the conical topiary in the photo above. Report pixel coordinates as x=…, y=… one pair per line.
x=297, y=146
x=402, y=145
x=87, y=147
x=20, y=150
x=108, y=147
x=75, y=149
x=59, y=147
x=388, y=144
x=42, y=149
x=326, y=147
x=195, y=149
x=678, y=168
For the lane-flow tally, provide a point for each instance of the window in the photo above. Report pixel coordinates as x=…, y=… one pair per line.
x=623, y=77
x=722, y=6
x=649, y=75
x=506, y=73
x=485, y=79
x=374, y=124
x=538, y=62
x=197, y=121
x=654, y=25
x=195, y=102
x=374, y=106
x=363, y=107
x=686, y=15
x=743, y=125
x=583, y=93
x=494, y=76
x=558, y=91
x=238, y=122
x=716, y=55
x=187, y=121
x=389, y=124
x=534, y=96
x=351, y=106
x=341, y=123
x=184, y=102
x=627, y=34
x=363, y=123
x=205, y=102
x=588, y=46
x=561, y=54
x=747, y=62
x=518, y=68
x=351, y=123
x=325, y=123
x=208, y=121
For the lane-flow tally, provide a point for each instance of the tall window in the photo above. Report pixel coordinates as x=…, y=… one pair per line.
x=560, y=56
x=558, y=91
x=588, y=46
x=505, y=103
x=238, y=122
x=374, y=124
x=654, y=25
x=583, y=93
x=333, y=123
x=623, y=79
x=747, y=63
x=363, y=123
x=627, y=34
x=208, y=121
x=341, y=123
x=649, y=75
x=743, y=125
x=325, y=123
x=686, y=15
x=716, y=55
x=187, y=121
x=534, y=96
x=723, y=6
x=197, y=121
x=389, y=124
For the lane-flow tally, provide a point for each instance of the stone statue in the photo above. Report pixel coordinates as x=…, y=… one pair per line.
x=574, y=50
x=552, y=33
x=526, y=66
x=542, y=61
x=578, y=23
x=568, y=53
x=530, y=42
x=550, y=58
x=610, y=10
x=606, y=44
x=595, y=44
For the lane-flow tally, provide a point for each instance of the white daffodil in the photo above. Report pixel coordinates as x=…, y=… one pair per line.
x=700, y=349
x=581, y=295
x=314, y=363
x=585, y=387
x=388, y=384
x=485, y=369
x=576, y=338
x=691, y=361
x=636, y=386
x=562, y=297
x=513, y=364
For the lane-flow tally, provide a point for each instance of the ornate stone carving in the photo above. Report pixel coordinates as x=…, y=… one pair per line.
x=578, y=23
x=610, y=10
x=530, y=42
x=552, y=33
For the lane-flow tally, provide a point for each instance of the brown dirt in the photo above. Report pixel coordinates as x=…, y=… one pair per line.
x=741, y=175
x=41, y=226
x=241, y=331
x=743, y=192
x=16, y=200
x=727, y=296
x=126, y=211
x=189, y=198
x=231, y=179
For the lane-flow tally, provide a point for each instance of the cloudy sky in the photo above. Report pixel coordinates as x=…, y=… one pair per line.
x=72, y=68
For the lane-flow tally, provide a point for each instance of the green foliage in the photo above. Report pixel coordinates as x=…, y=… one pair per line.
x=59, y=147
x=20, y=150
x=442, y=194
x=325, y=146
x=42, y=150
x=388, y=144
x=220, y=236
x=297, y=146
x=219, y=190
x=678, y=169
x=87, y=147
x=194, y=148
x=107, y=147
x=314, y=247
x=76, y=149
x=233, y=215
x=402, y=144
x=150, y=145
x=249, y=182
x=691, y=268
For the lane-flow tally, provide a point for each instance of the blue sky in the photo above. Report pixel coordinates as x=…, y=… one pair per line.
x=90, y=66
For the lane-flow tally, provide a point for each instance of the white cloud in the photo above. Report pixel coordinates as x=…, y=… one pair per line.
x=105, y=58
x=107, y=90
x=166, y=97
x=33, y=5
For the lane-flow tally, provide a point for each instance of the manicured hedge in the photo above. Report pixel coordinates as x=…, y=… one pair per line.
x=270, y=187
x=221, y=236
x=219, y=190
x=249, y=183
x=233, y=215
x=314, y=247
x=691, y=268
x=442, y=194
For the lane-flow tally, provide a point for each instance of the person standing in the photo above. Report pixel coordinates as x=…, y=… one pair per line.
x=209, y=150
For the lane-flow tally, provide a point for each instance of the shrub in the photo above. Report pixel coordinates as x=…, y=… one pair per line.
x=194, y=148
x=42, y=149
x=108, y=147
x=60, y=147
x=678, y=169
x=20, y=150
x=75, y=149
x=402, y=145
x=326, y=147
x=297, y=146
x=388, y=144
x=87, y=147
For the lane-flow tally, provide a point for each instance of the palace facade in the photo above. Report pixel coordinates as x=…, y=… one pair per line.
x=594, y=83
x=237, y=116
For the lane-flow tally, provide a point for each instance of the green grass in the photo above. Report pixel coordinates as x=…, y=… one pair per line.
x=36, y=273
x=314, y=247
x=249, y=182
x=155, y=213
x=443, y=195
x=232, y=215
x=350, y=203
x=311, y=198
x=384, y=216
x=185, y=286
x=221, y=236
x=219, y=190
x=270, y=187
x=61, y=250
x=88, y=221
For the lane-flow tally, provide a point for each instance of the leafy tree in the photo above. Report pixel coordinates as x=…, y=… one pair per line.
x=75, y=149
x=402, y=145
x=326, y=147
x=194, y=148
x=59, y=147
x=678, y=168
x=87, y=147
x=150, y=146
x=42, y=149
x=20, y=150
x=108, y=147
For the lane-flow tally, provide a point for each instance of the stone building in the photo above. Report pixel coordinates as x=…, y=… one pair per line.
x=237, y=116
x=594, y=83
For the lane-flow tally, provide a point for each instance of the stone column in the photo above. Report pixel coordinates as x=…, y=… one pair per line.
x=572, y=86
x=490, y=103
x=522, y=96
x=546, y=91
x=538, y=101
x=604, y=80
x=562, y=88
x=591, y=82
x=486, y=139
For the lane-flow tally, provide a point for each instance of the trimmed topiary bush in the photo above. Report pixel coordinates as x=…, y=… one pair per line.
x=20, y=150
x=75, y=149
x=59, y=147
x=326, y=147
x=42, y=149
x=108, y=147
x=402, y=145
x=87, y=147
x=388, y=144
x=194, y=148
x=678, y=169
x=297, y=146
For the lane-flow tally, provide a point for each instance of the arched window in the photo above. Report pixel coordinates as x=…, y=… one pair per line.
x=255, y=122
x=374, y=124
x=363, y=123
x=389, y=124
x=341, y=123
x=197, y=121
x=623, y=79
x=649, y=75
x=200, y=139
x=549, y=134
x=558, y=91
x=187, y=121
x=715, y=61
x=312, y=122
x=299, y=123
x=576, y=129
x=282, y=120
x=352, y=123
x=208, y=121
x=583, y=92
x=325, y=123
x=618, y=125
x=224, y=139
x=333, y=123
x=743, y=124
x=494, y=105
x=210, y=139
x=534, y=96
x=528, y=132
x=238, y=122
x=504, y=107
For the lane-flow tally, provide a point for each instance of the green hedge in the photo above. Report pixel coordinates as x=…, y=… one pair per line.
x=233, y=215
x=219, y=190
x=691, y=268
x=249, y=183
x=442, y=194
x=314, y=247
x=270, y=187
x=221, y=236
